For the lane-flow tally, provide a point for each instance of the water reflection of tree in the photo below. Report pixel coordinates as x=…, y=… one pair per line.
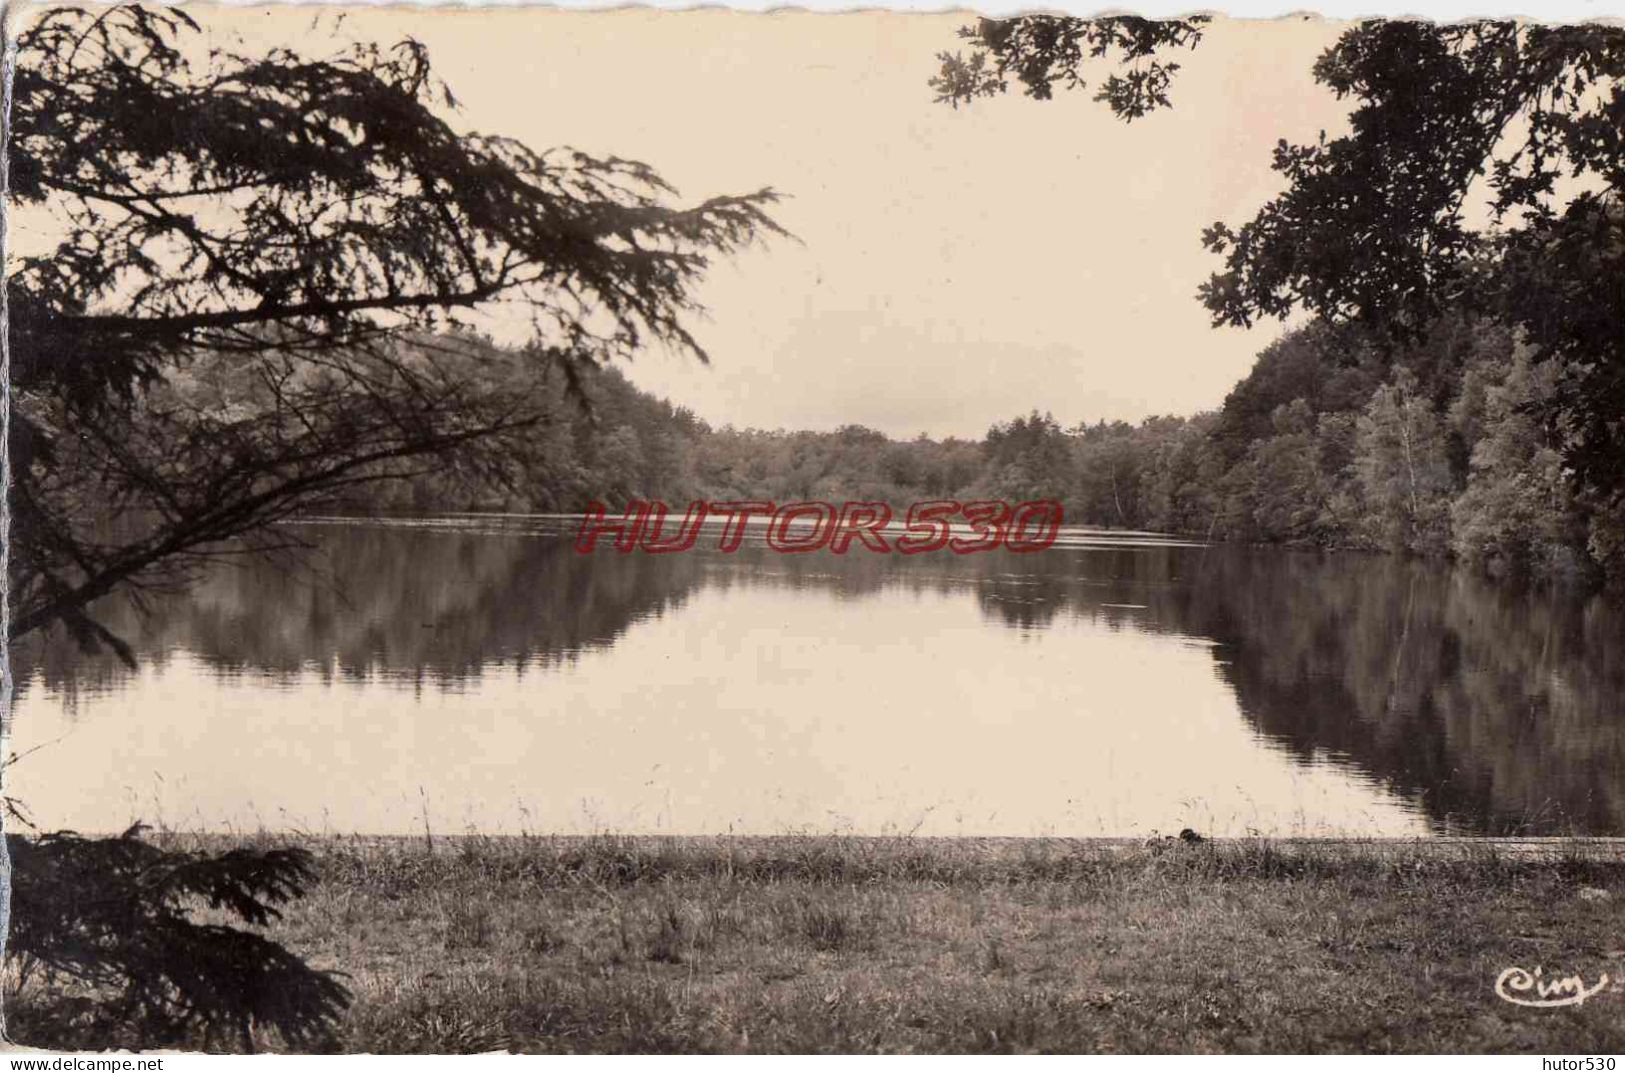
x=434, y=607
x=1494, y=707
x=1490, y=706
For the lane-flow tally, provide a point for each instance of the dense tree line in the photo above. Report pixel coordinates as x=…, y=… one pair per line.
x=1516, y=456
x=1332, y=440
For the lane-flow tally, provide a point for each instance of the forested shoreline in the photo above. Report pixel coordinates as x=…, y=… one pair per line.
x=1458, y=390
x=1330, y=441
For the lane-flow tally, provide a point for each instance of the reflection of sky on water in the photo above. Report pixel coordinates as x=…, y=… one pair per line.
x=511, y=684
x=757, y=710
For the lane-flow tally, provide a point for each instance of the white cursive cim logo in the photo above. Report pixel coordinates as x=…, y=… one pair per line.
x=1515, y=984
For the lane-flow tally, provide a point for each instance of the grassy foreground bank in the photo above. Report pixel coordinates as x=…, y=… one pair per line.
x=861, y=945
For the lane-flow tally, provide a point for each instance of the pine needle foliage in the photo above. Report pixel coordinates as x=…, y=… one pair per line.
x=117, y=916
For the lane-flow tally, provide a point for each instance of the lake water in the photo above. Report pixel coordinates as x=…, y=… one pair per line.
x=479, y=674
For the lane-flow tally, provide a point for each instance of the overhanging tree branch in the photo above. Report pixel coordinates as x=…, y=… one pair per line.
x=257, y=256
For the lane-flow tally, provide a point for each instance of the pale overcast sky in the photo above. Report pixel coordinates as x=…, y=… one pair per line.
x=955, y=268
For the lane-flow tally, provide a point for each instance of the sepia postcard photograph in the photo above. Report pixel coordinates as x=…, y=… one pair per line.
x=551, y=531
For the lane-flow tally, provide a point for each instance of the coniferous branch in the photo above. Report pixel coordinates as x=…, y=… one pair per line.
x=115, y=914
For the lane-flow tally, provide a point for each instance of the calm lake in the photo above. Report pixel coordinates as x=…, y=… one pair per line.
x=479, y=674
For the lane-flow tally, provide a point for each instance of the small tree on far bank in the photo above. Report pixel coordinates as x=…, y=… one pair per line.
x=1404, y=476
